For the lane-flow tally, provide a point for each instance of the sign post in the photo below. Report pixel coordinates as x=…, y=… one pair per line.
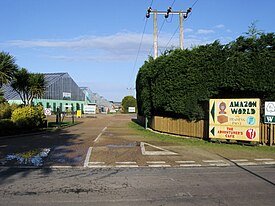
x=269, y=118
x=234, y=119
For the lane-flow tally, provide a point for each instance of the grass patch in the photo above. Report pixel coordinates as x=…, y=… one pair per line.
x=181, y=141
x=61, y=124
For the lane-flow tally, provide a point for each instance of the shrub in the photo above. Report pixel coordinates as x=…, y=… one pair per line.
x=28, y=117
x=7, y=127
x=5, y=111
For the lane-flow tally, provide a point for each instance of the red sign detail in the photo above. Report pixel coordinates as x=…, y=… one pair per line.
x=251, y=133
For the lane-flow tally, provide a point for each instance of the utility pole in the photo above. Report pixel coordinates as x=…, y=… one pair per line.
x=131, y=91
x=182, y=15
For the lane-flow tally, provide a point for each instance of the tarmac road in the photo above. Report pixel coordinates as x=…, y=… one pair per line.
x=135, y=186
x=107, y=141
x=110, y=164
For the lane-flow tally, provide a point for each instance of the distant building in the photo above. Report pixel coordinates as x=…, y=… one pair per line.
x=102, y=104
x=61, y=92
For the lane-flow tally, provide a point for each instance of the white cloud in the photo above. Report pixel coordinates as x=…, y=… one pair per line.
x=122, y=46
x=188, y=30
x=219, y=26
x=205, y=31
x=111, y=42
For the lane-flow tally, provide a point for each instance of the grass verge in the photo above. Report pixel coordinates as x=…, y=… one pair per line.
x=183, y=141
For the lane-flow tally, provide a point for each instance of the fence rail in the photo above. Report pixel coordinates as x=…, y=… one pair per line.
x=199, y=129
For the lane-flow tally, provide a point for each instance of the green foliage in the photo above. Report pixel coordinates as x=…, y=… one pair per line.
x=7, y=68
x=28, y=117
x=7, y=127
x=28, y=85
x=128, y=101
x=180, y=82
x=6, y=110
x=2, y=99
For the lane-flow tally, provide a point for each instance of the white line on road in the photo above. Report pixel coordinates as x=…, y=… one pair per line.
x=190, y=165
x=240, y=160
x=220, y=165
x=96, y=163
x=86, y=162
x=123, y=166
x=126, y=163
x=100, y=134
x=97, y=166
x=246, y=163
x=98, y=137
x=185, y=162
x=269, y=163
x=159, y=165
x=212, y=161
x=264, y=159
x=156, y=162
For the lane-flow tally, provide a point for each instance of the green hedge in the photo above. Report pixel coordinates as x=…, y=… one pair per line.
x=180, y=82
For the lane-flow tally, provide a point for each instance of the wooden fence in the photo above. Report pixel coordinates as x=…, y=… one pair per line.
x=199, y=129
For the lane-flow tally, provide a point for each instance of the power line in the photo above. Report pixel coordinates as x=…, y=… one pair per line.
x=139, y=47
x=178, y=26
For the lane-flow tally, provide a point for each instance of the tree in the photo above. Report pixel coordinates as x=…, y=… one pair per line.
x=128, y=101
x=181, y=82
x=7, y=68
x=2, y=99
x=28, y=85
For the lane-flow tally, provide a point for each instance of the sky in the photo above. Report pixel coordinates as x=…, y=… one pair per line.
x=102, y=44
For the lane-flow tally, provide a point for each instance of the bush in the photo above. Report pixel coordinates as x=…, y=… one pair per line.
x=7, y=127
x=28, y=117
x=5, y=111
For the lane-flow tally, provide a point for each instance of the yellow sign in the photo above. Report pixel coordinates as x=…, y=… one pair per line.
x=236, y=119
x=78, y=113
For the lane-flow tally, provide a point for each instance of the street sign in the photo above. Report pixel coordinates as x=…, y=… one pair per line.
x=47, y=111
x=236, y=119
x=269, y=117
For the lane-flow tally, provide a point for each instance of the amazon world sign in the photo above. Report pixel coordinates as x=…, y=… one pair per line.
x=235, y=119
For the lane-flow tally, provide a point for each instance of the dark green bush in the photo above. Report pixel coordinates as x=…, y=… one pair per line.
x=7, y=127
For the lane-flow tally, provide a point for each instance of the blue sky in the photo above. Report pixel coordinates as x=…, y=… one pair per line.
x=97, y=42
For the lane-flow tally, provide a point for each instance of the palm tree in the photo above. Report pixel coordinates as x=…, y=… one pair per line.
x=28, y=85
x=7, y=68
x=37, y=86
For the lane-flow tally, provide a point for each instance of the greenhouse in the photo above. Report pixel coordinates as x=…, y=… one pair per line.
x=61, y=92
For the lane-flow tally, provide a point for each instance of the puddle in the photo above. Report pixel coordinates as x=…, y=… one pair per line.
x=33, y=158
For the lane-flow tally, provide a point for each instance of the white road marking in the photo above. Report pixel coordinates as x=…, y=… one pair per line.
x=86, y=162
x=240, y=160
x=185, y=162
x=220, y=165
x=155, y=153
x=156, y=162
x=247, y=163
x=190, y=165
x=98, y=137
x=264, y=159
x=123, y=166
x=159, y=165
x=97, y=166
x=269, y=163
x=96, y=163
x=212, y=161
x=100, y=134
x=126, y=163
